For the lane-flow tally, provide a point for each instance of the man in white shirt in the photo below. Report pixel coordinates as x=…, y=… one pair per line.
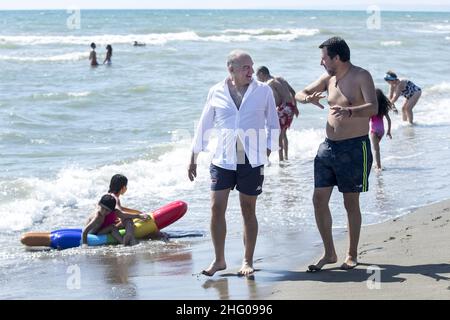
x=242, y=112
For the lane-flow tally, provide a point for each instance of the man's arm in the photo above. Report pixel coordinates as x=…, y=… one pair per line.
x=277, y=89
x=312, y=93
x=202, y=136
x=369, y=108
x=192, y=168
x=272, y=124
x=291, y=91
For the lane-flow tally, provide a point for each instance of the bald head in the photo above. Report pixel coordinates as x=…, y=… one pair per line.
x=240, y=67
x=235, y=57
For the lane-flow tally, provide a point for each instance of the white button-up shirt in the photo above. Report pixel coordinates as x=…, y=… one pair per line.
x=255, y=123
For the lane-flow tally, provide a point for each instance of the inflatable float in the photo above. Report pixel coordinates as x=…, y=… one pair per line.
x=70, y=238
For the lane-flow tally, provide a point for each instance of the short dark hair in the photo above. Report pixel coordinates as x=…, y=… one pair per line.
x=264, y=70
x=108, y=201
x=118, y=181
x=337, y=46
x=93, y=45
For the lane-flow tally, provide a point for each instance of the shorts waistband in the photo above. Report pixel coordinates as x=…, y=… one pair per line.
x=347, y=141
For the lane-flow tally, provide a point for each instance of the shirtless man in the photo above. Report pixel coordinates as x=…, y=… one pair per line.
x=344, y=158
x=284, y=96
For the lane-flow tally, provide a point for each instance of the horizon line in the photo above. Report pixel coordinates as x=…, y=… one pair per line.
x=442, y=10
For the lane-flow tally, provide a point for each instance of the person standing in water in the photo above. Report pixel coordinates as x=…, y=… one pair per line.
x=93, y=56
x=284, y=96
x=108, y=55
x=377, y=125
x=242, y=111
x=406, y=88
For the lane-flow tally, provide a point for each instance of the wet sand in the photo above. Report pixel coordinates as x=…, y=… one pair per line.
x=155, y=270
x=404, y=258
x=411, y=253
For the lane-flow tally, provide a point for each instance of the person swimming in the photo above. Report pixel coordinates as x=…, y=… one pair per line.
x=138, y=44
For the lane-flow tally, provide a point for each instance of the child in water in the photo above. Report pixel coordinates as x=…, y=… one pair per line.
x=108, y=55
x=377, y=124
x=103, y=219
x=117, y=187
x=93, y=55
x=110, y=216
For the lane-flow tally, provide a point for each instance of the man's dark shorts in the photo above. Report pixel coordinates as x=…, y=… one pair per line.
x=246, y=179
x=344, y=163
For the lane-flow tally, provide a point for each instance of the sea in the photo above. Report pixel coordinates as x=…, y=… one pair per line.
x=66, y=128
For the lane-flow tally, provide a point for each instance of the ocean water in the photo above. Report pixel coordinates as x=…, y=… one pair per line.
x=66, y=128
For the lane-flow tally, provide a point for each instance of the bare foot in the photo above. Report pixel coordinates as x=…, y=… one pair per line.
x=246, y=269
x=323, y=261
x=214, y=267
x=349, y=263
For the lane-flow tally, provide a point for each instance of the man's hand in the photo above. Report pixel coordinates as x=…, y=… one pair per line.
x=389, y=135
x=340, y=112
x=192, y=171
x=315, y=99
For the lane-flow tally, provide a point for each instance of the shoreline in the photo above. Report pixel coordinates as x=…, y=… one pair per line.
x=409, y=267
x=403, y=258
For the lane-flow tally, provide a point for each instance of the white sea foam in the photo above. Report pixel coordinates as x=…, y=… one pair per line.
x=391, y=43
x=441, y=88
x=60, y=95
x=273, y=32
x=74, y=56
x=162, y=38
x=441, y=27
x=433, y=111
x=163, y=178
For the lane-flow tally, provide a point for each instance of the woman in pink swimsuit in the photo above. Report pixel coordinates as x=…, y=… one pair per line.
x=377, y=124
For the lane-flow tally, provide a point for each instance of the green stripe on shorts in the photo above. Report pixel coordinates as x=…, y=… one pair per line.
x=364, y=145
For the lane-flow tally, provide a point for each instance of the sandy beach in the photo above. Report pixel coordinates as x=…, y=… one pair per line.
x=66, y=128
x=410, y=252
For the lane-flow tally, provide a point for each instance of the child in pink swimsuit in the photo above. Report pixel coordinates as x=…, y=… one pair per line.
x=103, y=220
x=377, y=125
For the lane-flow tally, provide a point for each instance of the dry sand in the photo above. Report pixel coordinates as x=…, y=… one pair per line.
x=412, y=254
